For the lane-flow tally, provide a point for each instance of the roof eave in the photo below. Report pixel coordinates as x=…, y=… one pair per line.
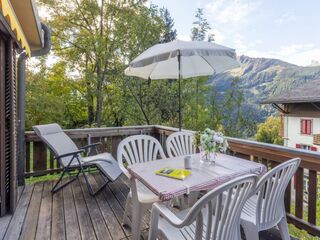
x=283, y=101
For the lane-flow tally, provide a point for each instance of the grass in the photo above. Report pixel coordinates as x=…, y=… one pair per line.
x=300, y=234
x=45, y=178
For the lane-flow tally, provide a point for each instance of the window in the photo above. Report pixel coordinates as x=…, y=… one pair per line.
x=306, y=126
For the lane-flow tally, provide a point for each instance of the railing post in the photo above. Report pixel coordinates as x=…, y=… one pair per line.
x=89, y=142
x=312, y=197
x=299, y=193
x=39, y=157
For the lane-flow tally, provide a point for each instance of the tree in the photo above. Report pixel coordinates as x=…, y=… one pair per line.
x=269, y=131
x=169, y=33
x=53, y=97
x=97, y=39
x=199, y=31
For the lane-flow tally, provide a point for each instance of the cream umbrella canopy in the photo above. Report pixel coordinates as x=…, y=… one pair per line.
x=182, y=59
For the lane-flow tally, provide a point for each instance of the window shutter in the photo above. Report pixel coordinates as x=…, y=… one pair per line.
x=3, y=204
x=313, y=148
x=310, y=127
x=302, y=126
x=298, y=145
x=8, y=127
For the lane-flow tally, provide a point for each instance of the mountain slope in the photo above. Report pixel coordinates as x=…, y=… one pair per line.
x=262, y=77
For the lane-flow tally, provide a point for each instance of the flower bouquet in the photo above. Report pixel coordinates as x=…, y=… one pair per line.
x=210, y=142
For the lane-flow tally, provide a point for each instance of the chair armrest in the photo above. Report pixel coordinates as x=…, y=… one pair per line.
x=91, y=145
x=168, y=215
x=69, y=154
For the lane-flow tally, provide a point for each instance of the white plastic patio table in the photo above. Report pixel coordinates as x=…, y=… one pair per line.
x=202, y=177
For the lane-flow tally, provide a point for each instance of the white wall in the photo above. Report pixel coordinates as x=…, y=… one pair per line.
x=292, y=131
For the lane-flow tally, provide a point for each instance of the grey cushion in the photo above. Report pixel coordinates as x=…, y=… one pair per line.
x=60, y=143
x=106, y=164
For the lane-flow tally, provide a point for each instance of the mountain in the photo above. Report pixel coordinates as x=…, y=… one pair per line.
x=260, y=78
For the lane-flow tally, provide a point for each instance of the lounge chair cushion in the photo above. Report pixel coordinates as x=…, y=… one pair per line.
x=60, y=143
x=106, y=164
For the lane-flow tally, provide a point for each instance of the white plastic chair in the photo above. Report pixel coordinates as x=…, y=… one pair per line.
x=180, y=144
x=215, y=216
x=132, y=150
x=265, y=209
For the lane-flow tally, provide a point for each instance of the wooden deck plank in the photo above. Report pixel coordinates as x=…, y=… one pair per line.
x=121, y=197
x=120, y=190
x=71, y=218
x=71, y=209
x=44, y=221
x=4, y=223
x=97, y=219
x=58, y=230
x=15, y=226
x=113, y=203
x=114, y=226
x=86, y=228
x=31, y=221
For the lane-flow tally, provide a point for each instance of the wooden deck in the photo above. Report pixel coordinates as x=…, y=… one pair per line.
x=73, y=214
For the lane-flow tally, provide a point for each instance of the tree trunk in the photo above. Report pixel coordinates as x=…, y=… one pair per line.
x=99, y=100
x=90, y=110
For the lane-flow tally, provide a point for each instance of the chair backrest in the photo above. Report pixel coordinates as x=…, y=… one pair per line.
x=59, y=142
x=223, y=206
x=180, y=144
x=138, y=149
x=270, y=193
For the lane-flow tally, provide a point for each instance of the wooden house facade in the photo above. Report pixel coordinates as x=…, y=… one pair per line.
x=20, y=33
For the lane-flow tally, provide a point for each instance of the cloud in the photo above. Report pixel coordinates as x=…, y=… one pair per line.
x=285, y=18
x=299, y=54
x=184, y=37
x=218, y=36
x=230, y=11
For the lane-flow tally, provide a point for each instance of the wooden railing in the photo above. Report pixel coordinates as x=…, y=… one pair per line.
x=39, y=159
x=301, y=196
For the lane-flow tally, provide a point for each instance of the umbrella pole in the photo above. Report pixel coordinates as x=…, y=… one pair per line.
x=179, y=66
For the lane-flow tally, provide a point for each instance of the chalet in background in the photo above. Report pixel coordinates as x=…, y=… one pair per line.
x=300, y=111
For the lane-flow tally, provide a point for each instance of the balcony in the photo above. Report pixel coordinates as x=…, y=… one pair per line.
x=73, y=214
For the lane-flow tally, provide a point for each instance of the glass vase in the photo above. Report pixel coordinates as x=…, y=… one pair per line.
x=208, y=158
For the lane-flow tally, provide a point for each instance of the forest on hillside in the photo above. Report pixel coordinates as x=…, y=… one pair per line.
x=85, y=85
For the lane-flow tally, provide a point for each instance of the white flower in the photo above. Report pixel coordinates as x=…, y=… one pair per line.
x=217, y=138
x=211, y=141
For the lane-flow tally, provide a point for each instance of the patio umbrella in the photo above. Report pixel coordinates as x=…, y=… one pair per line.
x=182, y=59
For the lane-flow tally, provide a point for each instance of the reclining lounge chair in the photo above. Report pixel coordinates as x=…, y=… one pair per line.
x=69, y=157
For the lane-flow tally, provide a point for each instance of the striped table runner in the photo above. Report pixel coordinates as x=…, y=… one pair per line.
x=203, y=177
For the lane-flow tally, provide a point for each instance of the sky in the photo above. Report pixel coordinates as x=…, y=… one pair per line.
x=284, y=29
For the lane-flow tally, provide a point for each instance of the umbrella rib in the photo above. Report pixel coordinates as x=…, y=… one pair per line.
x=209, y=65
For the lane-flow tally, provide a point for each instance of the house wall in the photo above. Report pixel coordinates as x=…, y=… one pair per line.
x=292, y=131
